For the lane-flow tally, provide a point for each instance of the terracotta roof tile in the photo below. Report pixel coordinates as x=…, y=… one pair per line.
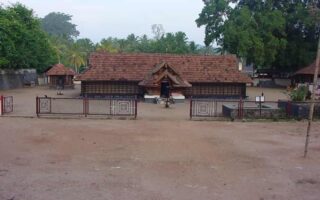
x=134, y=67
x=309, y=70
x=60, y=69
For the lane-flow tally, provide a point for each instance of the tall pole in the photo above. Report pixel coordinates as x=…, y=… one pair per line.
x=311, y=110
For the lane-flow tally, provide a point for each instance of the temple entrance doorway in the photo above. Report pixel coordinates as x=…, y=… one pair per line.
x=165, y=89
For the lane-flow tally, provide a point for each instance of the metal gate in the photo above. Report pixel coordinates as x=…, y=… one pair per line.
x=86, y=106
x=214, y=108
x=6, y=104
x=246, y=109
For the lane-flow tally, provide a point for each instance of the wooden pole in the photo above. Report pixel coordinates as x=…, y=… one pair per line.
x=311, y=110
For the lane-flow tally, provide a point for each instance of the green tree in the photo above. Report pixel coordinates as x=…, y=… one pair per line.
x=270, y=33
x=109, y=45
x=176, y=43
x=302, y=31
x=193, y=47
x=76, y=56
x=85, y=45
x=59, y=24
x=23, y=43
x=131, y=43
x=145, y=44
x=256, y=36
x=60, y=47
x=72, y=52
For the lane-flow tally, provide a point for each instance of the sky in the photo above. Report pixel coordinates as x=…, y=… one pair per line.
x=97, y=19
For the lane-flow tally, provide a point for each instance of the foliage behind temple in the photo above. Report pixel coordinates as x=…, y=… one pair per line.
x=23, y=43
x=277, y=34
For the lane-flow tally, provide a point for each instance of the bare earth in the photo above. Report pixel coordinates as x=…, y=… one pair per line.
x=160, y=156
x=140, y=159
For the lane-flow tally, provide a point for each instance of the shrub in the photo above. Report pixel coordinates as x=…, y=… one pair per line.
x=299, y=94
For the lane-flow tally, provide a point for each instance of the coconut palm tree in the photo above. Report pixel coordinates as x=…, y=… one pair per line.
x=59, y=47
x=76, y=57
x=108, y=45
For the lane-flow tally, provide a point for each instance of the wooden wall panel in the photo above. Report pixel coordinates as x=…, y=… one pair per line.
x=215, y=89
x=220, y=90
x=106, y=87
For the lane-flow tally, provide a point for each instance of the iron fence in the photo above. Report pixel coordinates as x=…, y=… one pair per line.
x=86, y=106
x=6, y=104
x=244, y=109
x=210, y=107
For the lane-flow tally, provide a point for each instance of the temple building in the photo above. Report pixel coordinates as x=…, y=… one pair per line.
x=60, y=77
x=305, y=75
x=197, y=76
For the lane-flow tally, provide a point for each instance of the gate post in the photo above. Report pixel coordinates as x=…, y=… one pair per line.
x=239, y=105
x=289, y=109
x=215, y=108
x=136, y=108
x=110, y=107
x=1, y=105
x=191, y=108
x=37, y=106
x=240, y=109
x=12, y=104
x=85, y=107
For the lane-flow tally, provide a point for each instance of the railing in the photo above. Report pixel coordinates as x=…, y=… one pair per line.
x=6, y=104
x=244, y=109
x=204, y=108
x=86, y=106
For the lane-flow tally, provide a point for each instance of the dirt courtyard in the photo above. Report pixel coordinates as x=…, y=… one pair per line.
x=160, y=156
x=156, y=159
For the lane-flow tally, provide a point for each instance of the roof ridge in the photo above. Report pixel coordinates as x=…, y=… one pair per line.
x=159, y=54
x=60, y=69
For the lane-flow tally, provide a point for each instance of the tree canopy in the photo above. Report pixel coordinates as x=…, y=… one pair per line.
x=72, y=53
x=23, y=43
x=272, y=33
x=175, y=43
x=59, y=24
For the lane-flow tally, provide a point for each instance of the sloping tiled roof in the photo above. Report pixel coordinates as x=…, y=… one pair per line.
x=60, y=69
x=134, y=67
x=309, y=70
x=163, y=71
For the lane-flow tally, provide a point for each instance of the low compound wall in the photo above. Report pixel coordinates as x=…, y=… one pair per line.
x=272, y=83
x=10, y=79
x=265, y=112
x=299, y=110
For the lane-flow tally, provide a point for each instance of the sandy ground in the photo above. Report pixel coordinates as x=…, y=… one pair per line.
x=161, y=155
x=144, y=159
x=271, y=94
